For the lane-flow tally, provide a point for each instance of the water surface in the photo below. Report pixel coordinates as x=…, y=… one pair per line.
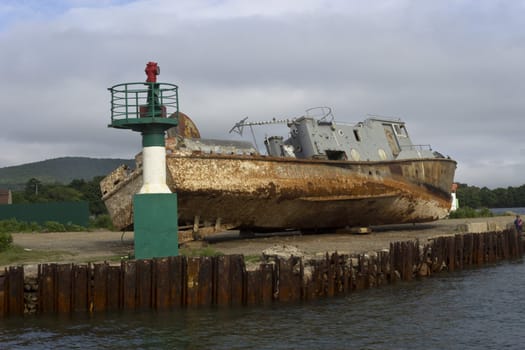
x=473, y=309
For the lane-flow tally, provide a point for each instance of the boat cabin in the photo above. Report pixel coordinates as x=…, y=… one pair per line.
x=371, y=140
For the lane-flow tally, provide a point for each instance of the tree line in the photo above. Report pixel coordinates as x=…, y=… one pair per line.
x=475, y=197
x=36, y=191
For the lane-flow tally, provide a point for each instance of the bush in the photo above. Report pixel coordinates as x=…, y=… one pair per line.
x=205, y=251
x=485, y=212
x=467, y=212
x=102, y=221
x=10, y=225
x=74, y=227
x=53, y=226
x=13, y=226
x=5, y=241
x=34, y=227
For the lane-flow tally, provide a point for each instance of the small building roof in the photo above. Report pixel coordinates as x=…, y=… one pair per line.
x=5, y=196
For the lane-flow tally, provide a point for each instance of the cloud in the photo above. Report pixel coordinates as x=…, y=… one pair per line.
x=451, y=69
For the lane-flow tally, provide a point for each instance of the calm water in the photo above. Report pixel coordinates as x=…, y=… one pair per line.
x=499, y=211
x=475, y=309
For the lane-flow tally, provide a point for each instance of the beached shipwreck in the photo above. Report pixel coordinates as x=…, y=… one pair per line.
x=324, y=175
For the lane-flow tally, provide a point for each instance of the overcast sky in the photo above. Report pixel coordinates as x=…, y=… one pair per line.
x=452, y=70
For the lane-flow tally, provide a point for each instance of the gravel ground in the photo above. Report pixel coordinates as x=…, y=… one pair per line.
x=380, y=238
x=101, y=245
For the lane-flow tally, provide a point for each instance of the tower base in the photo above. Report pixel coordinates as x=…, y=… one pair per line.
x=156, y=227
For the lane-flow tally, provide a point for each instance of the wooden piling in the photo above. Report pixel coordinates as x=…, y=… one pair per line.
x=362, y=281
x=458, y=251
x=80, y=288
x=144, y=271
x=4, y=297
x=331, y=262
x=238, y=276
x=114, y=286
x=100, y=287
x=63, y=288
x=346, y=275
x=198, y=286
x=516, y=243
x=174, y=282
x=177, y=271
x=481, y=250
x=409, y=248
x=161, y=284
x=491, y=249
x=221, y=281
x=441, y=252
x=468, y=244
x=260, y=285
x=319, y=279
x=451, y=254
x=382, y=268
x=504, y=246
x=129, y=285
x=290, y=279
x=16, y=290
x=230, y=280
x=253, y=288
x=46, y=289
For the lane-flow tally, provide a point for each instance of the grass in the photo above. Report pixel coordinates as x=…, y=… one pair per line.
x=467, y=212
x=252, y=259
x=204, y=251
x=209, y=251
x=15, y=226
x=18, y=255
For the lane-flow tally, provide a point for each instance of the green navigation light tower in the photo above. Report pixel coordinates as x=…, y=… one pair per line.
x=144, y=107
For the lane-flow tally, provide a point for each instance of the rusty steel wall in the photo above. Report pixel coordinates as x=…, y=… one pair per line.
x=179, y=282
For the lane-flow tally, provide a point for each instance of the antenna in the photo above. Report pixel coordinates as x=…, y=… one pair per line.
x=239, y=127
x=321, y=112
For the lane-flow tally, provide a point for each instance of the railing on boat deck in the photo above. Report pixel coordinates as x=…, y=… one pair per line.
x=416, y=148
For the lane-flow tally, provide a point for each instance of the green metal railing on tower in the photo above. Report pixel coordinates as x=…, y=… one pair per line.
x=143, y=102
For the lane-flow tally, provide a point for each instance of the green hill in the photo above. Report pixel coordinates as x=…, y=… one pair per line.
x=61, y=170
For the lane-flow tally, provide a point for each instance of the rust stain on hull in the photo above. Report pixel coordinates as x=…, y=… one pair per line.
x=275, y=193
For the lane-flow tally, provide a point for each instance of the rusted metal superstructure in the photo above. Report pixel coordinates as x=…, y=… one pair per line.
x=325, y=175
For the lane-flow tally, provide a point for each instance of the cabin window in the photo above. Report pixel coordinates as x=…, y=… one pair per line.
x=356, y=135
x=355, y=154
x=390, y=133
x=400, y=130
x=336, y=155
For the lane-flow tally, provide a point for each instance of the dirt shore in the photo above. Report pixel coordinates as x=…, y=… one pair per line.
x=349, y=243
x=99, y=246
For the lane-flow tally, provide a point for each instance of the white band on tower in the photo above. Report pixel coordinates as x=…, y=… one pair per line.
x=154, y=170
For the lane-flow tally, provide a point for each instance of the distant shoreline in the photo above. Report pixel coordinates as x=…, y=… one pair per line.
x=499, y=211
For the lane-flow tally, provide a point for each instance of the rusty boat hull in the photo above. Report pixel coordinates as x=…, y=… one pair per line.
x=273, y=193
